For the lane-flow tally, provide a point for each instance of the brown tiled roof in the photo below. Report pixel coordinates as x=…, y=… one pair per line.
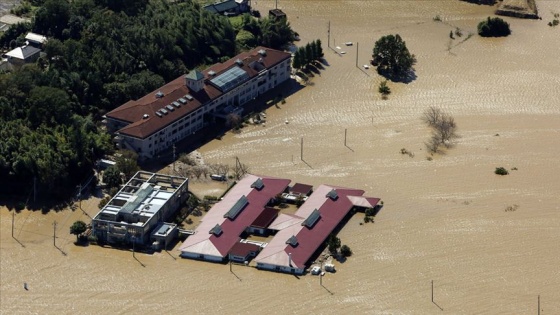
x=301, y=189
x=265, y=218
x=243, y=249
x=134, y=111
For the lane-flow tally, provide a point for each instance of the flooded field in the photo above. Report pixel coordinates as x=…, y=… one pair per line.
x=489, y=242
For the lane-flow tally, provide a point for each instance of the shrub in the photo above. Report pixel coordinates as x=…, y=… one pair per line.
x=493, y=27
x=383, y=89
x=501, y=171
x=345, y=251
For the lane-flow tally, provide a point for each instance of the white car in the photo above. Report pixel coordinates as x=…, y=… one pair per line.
x=366, y=67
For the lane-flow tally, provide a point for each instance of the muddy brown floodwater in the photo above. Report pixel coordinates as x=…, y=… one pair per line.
x=489, y=242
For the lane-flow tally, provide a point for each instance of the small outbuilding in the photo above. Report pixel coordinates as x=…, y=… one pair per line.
x=241, y=252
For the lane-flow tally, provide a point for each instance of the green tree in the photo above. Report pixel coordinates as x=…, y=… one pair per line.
x=333, y=243
x=78, y=228
x=345, y=251
x=297, y=64
x=320, y=52
x=127, y=162
x=383, y=89
x=493, y=27
x=52, y=18
x=391, y=57
x=112, y=176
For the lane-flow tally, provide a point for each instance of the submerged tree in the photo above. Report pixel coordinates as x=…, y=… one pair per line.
x=78, y=228
x=493, y=27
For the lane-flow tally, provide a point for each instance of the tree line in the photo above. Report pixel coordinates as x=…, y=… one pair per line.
x=307, y=54
x=99, y=55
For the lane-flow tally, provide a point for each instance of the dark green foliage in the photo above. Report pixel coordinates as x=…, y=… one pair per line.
x=15, y=31
x=501, y=171
x=383, y=89
x=101, y=54
x=112, y=177
x=391, y=57
x=333, y=243
x=127, y=163
x=78, y=228
x=493, y=27
x=307, y=54
x=345, y=251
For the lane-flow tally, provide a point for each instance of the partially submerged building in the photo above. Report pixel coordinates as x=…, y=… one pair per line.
x=183, y=106
x=138, y=212
x=221, y=228
x=245, y=209
x=300, y=235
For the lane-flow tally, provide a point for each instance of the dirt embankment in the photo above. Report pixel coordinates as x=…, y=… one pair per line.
x=525, y=9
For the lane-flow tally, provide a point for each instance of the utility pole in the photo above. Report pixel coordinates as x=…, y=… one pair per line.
x=13, y=218
x=80, y=195
x=54, y=233
x=539, y=305
x=302, y=148
x=276, y=4
x=345, y=132
x=357, y=53
x=432, y=291
x=329, y=35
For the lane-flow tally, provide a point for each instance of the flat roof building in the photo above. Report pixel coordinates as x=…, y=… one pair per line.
x=183, y=106
x=142, y=204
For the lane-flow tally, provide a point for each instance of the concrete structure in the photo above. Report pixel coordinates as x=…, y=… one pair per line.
x=220, y=229
x=142, y=204
x=229, y=7
x=300, y=235
x=171, y=113
x=163, y=235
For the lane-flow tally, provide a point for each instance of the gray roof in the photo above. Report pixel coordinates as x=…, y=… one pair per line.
x=221, y=7
x=23, y=52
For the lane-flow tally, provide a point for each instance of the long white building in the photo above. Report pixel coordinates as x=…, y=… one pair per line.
x=178, y=109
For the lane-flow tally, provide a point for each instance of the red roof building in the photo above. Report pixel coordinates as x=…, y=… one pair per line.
x=302, y=234
x=221, y=227
x=181, y=107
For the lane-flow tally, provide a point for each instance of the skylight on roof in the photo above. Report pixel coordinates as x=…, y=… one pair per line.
x=183, y=101
x=176, y=104
x=170, y=108
x=230, y=79
x=189, y=97
x=312, y=219
x=236, y=208
x=164, y=111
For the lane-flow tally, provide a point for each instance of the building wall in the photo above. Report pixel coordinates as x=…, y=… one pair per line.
x=201, y=257
x=297, y=271
x=165, y=138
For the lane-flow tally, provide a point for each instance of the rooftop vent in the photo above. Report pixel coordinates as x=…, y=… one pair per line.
x=216, y=230
x=170, y=108
x=164, y=111
x=159, y=114
x=261, y=60
x=212, y=72
x=145, y=116
x=239, y=62
x=159, y=94
x=262, y=52
x=332, y=194
x=176, y=104
x=292, y=241
x=258, y=184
